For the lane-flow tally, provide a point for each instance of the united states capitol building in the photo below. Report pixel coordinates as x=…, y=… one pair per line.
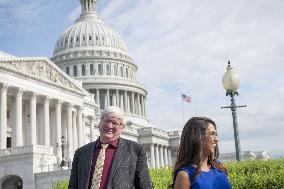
x=50, y=107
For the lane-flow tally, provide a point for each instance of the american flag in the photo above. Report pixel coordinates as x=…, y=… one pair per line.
x=186, y=98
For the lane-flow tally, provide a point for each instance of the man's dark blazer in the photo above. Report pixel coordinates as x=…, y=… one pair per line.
x=129, y=168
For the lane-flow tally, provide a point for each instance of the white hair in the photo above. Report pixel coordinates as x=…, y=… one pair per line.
x=113, y=111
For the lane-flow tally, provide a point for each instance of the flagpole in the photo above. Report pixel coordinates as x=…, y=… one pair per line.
x=182, y=111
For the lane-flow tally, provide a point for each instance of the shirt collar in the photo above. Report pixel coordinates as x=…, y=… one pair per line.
x=113, y=143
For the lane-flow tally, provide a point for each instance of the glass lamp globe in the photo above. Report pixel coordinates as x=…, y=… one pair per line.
x=230, y=80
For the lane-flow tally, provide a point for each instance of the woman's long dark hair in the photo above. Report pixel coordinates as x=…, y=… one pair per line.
x=191, y=144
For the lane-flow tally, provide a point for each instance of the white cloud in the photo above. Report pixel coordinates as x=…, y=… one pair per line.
x=26, y=15
x=184, y=47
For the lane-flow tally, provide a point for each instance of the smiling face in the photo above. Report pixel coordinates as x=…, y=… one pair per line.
x=211, y=140
x=110, y=128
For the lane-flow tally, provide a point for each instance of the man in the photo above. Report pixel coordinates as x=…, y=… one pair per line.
x=110, y=162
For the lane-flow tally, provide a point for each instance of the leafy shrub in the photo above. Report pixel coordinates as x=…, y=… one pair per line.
x=63, y=184
x=257, y=174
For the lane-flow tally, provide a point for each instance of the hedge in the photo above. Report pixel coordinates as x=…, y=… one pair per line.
x=257, y=174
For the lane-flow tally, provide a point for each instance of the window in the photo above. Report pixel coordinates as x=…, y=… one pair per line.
x=108, y=69
x=90, y=38
x=8, y=114
x=75, y=71
x=83, y=70
x=67, y=70
x=121, y=71
x=9, y=142
x=103, y=40
x=83, y=38
x=115, y=70
x=77, y=39
x=92, y=69
x=126, y=72
x=100, y=69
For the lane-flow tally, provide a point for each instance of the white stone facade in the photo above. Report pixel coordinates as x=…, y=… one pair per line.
x=43, y=102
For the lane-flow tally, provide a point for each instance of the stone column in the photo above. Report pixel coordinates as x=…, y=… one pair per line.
x=3, y=115
x=122, y=102
x=98, y=97
x=132, y=103
x=125, y=102
x=79, y=126
x=52, y=126
x=46, y=126
x=117, y=98
x=69, y=133
x=138, y=104
x=74, y=131
x=152, y=155
x=19, y=118
x=58, y=133
x=92, y=129
x=129, y=103
x=157, y=163
x=40, y=126
x=33, y=136
x=161, y=156
x=108, y=99
x=170, y=157
x=166, y=156
x=142, y=105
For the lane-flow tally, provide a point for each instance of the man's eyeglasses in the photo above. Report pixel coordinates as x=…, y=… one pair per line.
x=114, y=122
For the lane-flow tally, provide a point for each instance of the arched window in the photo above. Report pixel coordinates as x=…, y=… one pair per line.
x=92, y=72
x=71, y=42
x=100, y=70
x=77, y=41
x=67, y=70
x=126, y=72
x=66, y=42
x=108, y=69
x=75, y=70
x=121, y=71
x=83, y=69
x=115, y=70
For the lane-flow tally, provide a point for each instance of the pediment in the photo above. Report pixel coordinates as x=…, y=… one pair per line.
x=43, y=70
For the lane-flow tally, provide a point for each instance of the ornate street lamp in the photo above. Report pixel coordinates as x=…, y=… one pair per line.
x=231, y=83
x=63, y=147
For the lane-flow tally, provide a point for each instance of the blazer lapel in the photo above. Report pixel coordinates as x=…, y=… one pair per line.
x=118, y=157
x=87, y=162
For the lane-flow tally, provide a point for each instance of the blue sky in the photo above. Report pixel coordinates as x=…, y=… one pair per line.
x=180, y=47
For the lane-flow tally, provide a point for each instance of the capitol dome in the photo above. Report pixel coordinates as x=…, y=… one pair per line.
x=94, y=54
x=89, y=32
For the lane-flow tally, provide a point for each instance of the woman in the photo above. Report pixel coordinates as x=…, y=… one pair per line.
x=197, y=165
